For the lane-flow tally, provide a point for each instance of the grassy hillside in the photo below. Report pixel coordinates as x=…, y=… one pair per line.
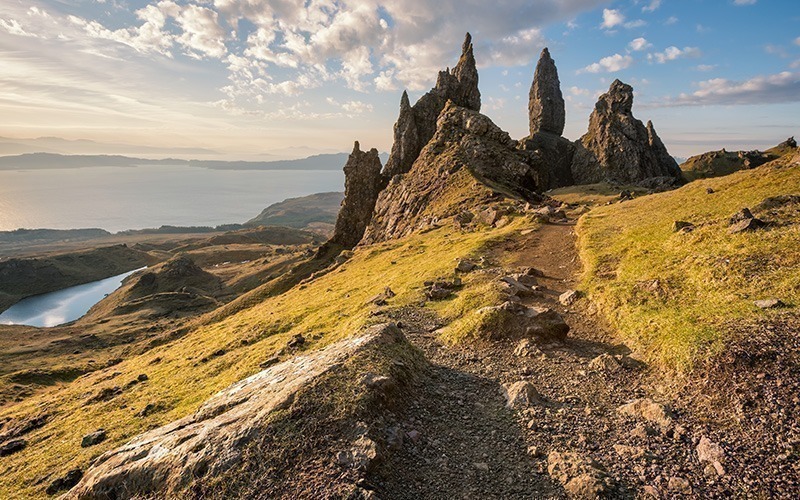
x=183, y=373
x=672, y=294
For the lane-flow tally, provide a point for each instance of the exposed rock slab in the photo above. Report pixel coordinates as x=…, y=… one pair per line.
x=164, y=461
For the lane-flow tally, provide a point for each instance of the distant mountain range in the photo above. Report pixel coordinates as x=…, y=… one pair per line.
x=30, y=161
x=10, y=146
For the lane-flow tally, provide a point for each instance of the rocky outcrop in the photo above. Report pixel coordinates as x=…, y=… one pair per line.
x=546, y=115
x=467, y=161
x=362, y=183
x=232, y=434
x=546, y=104
x=619, y=148
x=416, y=124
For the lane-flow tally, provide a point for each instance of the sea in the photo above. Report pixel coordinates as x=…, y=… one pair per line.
x=148, y=196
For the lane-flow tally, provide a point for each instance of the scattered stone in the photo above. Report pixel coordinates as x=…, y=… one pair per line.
x=747, y=225
x=740, y=216
x=360, y=456
x=481, y=466
x=515, y=288
x=709, y=191
x=378, y=382
x=711, y=453
x=679, y=485
x=581, y=476
x=142, y=377
x=605, y=363
x=13, y=446
x=512, y=319
x=65, y=482
x=642, y=431
x=414, y=435
x=525, y=348
x=382, y=298
x=466, y=266
x=522, y=395
x=532, y=271
x=569, y=297
x=769, y=303
x=437, y=292
x=625, y=196
x=680, y=226
x=269, y=362
x=93, y=438
x=489, y=216
x=649, y=410
x=296, y=341
x=535, y=452
x=632, y=452
x=147, y=410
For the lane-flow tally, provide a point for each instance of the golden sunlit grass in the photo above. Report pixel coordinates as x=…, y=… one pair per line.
x=669, y=293
x=182, y=374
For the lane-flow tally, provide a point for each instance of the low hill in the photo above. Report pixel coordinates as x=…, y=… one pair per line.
x=723, y=162
x=313, y=211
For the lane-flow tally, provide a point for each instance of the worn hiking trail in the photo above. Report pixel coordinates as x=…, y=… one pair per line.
x=459, y=440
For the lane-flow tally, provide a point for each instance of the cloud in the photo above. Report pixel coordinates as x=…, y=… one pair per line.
x=672, y=53
x=744, y=2
x=653, y=5
x=797, y=41
x=202, y=35
x=612, y=18
x=705, y=67
x=770, y=89
x=638, y=44
x=670, y=21
x=636, y=23
x=577, y=91
x=15, y=28
x=609, y=64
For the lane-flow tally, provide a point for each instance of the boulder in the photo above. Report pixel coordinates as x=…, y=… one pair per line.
x=619, y=148
x=680, y=226
x=569, y=297
x=93, y=438
x=522, y=395
x=465, y=266
x=65, y=482
x=709, y=452
x=12, y=446
x=605, y=363
x=216, y=439
x=769, y=303
x=648, y=410
x=581, y=476
x=512, y=319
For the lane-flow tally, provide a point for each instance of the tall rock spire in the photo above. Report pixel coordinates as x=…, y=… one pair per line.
x=362, y=184
x=546, y=103
x=416, y=124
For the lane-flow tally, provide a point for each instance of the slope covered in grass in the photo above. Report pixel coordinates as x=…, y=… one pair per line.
x=184, y=373
x=670, y=294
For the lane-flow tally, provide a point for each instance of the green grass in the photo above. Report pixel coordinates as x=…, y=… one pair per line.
x=185, y=372
x=671, y=294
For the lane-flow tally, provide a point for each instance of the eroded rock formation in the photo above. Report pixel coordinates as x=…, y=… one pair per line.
x=619, y=148
x=416, y=124
x=362, y=184
x=467, y=161
x=546, y=104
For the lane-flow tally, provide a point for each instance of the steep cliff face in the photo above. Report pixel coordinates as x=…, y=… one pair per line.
x=416, y=124
x=362, y=174
x=467, y=162
x=619, y=148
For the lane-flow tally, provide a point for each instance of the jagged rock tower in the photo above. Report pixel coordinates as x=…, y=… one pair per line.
x=416, y=124
x=362, y=183
x=619, y=148
x=547, y=116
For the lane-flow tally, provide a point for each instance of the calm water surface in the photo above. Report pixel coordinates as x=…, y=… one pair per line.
x=118, y=198
x=62, y=306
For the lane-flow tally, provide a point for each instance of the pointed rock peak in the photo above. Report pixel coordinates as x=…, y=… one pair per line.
x=618, y=99
x=467, y=45
x=404, y=102
x=546, y=103
x=356, y=148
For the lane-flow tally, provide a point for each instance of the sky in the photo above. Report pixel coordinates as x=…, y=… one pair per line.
x=253, y=78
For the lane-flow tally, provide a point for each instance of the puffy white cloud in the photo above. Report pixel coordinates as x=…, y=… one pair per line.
x=638, y=44
x=612, y=18
x=672, y=53
x=778, y=88
x=202, y=33
x=609, y=64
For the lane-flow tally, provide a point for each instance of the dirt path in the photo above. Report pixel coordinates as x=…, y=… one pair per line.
x=462, y=442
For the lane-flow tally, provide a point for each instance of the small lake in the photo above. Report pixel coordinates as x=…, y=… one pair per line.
x=62, y=306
